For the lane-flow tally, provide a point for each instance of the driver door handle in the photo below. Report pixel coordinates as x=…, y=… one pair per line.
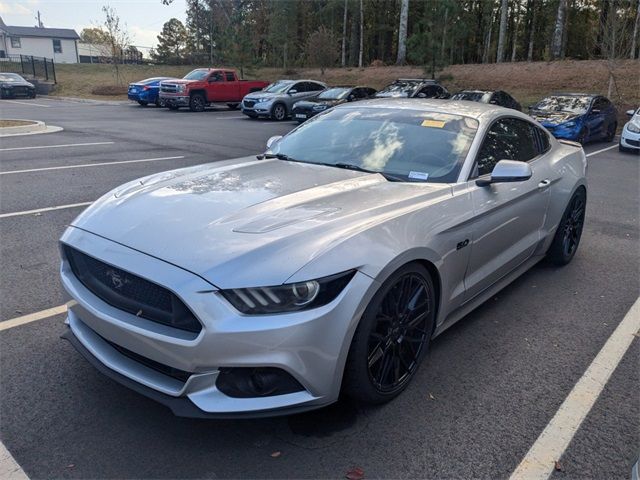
x=544, y=183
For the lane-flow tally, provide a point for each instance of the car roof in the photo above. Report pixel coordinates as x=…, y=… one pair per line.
x=476, y=91
x=456, y=107
x=563, y=94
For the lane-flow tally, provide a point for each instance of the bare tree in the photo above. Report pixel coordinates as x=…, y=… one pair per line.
x=361, y=34
x=532, y=32
x=634, y=38
x=322, y=49
x=117, y=36
x=502, y=35
x=344, y=35
x=558, y=31
x=402, y=33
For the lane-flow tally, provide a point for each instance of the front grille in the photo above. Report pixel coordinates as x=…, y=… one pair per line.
x=170, y=88
x=635, y=143
x=147, y=362
x=249, y=103
x=17, y=90
x=131, y=293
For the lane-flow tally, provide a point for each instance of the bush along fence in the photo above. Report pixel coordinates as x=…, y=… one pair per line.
x=36, y=67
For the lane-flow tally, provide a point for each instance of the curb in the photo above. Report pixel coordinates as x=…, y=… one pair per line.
x=34, y=129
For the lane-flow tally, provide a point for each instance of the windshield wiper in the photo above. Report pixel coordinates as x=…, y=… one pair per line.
x=279, y=156
x=358, y=168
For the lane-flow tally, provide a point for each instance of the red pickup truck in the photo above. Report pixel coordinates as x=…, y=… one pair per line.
x=204, y=86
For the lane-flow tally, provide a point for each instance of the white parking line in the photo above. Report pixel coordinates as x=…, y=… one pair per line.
x=56, y=146
x=31, y=104
x=9, y=468
x=539, y=462
x=86, y=165
x=42, y=210
x=32, y=317
x=601, y=150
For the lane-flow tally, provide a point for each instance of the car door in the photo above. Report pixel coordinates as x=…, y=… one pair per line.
x=215, y=89
x=313, y=90
x=508, y=217
x=595, y=119
x=231, y=86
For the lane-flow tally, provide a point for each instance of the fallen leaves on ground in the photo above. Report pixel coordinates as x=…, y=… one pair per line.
x=276, y=454
x=558, y=467
x=355, y=474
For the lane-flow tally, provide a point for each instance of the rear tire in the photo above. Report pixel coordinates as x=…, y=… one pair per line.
x=567, y=237
x=611, y=132
x=158, y=103
x=197, y=102
x=392, y=337
x=142, y=103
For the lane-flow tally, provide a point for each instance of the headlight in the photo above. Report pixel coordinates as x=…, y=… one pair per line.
x=570, y=124
x=320, y=107
x=290, y=297
x=262, y=100
x=633, y=128
x=180, y=88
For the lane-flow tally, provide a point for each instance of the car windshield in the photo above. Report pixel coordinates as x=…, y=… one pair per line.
x=406, y=145
x=334, y=94
x=564, y=103
x=277, y=87
x=400, y=88
x=472, y=96
x=196, y=75
x=11, y=77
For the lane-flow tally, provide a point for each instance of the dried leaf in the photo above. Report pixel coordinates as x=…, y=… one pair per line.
x=431, y=397
x=355, y=474
x=276, y=454
x=558, y=467
x=139, y=313
x=71, y=465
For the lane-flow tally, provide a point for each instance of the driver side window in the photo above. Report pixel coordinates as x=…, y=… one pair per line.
x=215, y=77
x=507, y=139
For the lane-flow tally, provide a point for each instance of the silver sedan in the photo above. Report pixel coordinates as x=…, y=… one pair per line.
x=267, y=285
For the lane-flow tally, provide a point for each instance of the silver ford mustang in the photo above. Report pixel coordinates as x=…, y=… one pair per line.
x=267, y=285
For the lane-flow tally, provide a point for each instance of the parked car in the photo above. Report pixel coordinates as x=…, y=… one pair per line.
x=265, y=286
x=305, y=109
x=13, y=85
x=146, y=91
x=577, y=116
x=276, y=101
x=204, y=86
x=494, y=97
x=413, y=88
x=630, y=137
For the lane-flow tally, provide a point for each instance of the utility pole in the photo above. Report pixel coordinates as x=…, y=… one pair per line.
x=40, y=25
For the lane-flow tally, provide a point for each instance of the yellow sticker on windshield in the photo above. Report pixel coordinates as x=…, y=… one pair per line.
x=433, y=123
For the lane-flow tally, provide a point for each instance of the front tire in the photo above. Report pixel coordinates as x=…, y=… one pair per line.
x=567, y=237
x=611, y=132
x=392, y=337
x=197, y=102
x=582, y=136
x=279, y=112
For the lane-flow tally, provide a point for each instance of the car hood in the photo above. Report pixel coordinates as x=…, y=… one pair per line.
x=247, y=222
x=554, y=118
x=310, y=104
x=256, y=95
x=17, y=84
x=392, y=94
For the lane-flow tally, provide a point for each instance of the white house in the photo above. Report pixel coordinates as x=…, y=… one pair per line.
x=61, y=44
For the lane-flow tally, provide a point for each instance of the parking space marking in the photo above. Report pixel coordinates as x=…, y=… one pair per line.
x=32, y=317
x=28, y=103
x=56, y=146
x=539, y=462
x=86, y=165
x=9, y=468
x=46, y=209
x=601, y=150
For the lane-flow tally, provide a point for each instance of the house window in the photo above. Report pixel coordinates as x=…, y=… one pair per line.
x=15, y=42
x=57, y=45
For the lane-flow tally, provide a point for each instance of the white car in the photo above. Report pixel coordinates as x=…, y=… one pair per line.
x=630, y=138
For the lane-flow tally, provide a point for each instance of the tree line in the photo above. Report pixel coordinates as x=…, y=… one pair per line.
x=434, y=33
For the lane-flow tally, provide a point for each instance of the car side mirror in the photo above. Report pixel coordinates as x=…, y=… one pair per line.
x=351, y=98
x=507, y=171
x=273, y=140
x=291, y=92
x=630, y=112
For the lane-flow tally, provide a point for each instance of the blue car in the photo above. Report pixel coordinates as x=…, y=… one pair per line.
x=577, y=116
x=146, y=91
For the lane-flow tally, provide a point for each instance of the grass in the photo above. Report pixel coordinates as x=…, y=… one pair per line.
x=15, y=123
x=526, y=81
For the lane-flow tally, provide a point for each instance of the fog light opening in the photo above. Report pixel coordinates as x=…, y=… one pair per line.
x=256, y=382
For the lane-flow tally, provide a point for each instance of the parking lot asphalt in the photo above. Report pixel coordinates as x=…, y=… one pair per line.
x=487, y=389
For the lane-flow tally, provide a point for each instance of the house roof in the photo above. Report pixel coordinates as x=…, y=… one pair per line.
x=39, y=32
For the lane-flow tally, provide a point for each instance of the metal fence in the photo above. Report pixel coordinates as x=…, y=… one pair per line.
x=36, y=67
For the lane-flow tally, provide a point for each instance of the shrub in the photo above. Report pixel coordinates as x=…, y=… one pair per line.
x=109, y=90
x=377, y=63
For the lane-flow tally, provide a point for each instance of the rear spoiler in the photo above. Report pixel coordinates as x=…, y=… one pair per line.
x=570, y=143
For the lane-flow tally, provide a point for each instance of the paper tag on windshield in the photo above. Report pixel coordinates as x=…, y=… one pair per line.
x=433, y=123
x=418, y=175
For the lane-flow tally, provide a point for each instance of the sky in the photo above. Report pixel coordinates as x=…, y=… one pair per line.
x=144, y=18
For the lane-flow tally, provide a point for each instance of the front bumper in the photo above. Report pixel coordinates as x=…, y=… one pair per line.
x=258, y=109
x=566, y=133
x=175, y=100
x=310, y=346
x=630, y=139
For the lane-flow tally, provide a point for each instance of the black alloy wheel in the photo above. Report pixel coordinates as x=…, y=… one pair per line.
x=279, y=112
x=567, y=237
x=197, y=102
x=393, y=336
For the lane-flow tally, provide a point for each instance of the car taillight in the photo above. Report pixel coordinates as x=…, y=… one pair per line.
x=146, y=87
